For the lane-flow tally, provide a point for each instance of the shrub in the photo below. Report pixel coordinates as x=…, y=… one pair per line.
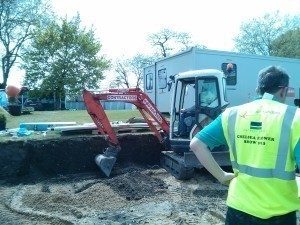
x=14, y=110
x=2, y=121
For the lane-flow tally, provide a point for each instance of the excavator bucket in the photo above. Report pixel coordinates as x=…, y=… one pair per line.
x=107, y=160
x=105, y=163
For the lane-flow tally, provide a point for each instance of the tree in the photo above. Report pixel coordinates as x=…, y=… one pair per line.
x=287, y=44
x=64, y=56
x=130, y=71
x=137, y=65
x=122, y=78
x=166, y=41
x=169, y=42
x=17, y=21
x=257, y=35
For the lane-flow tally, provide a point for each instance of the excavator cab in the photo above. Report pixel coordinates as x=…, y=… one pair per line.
x=198, y=105
x=199, y=97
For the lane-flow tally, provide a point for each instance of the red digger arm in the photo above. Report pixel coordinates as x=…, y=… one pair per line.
x=99, y=117
x=97, y=113
x=133, y=95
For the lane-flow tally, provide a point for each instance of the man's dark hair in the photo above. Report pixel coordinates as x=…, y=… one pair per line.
x=271, y=79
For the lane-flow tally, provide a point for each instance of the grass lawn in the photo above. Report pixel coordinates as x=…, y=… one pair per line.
x=78, y=116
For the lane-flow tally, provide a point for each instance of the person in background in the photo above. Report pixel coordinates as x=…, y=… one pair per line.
x=263, y=141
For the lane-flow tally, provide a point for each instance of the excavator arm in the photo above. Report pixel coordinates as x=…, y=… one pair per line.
x=155, y=120
x=99, y=117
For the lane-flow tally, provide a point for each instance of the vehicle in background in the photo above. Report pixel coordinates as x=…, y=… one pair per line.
x=240, y=70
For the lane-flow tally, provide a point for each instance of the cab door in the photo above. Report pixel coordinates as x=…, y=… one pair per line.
x=208, y=102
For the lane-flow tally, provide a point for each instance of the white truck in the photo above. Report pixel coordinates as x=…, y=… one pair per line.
x=241, y=72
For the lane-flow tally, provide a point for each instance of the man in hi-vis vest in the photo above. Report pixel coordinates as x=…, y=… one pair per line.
x=263, y=141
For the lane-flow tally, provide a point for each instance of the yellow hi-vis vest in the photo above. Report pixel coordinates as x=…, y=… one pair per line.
x=262, y=136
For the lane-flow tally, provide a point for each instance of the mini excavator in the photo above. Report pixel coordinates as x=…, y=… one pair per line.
x=199, y=97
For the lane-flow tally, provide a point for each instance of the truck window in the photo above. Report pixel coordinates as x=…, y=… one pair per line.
x=162, y=78
x=149, y=81
x=230, y=72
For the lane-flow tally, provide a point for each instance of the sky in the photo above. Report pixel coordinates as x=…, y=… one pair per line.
x=122, y=26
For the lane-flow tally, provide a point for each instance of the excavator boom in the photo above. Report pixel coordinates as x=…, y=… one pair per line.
x=99, y=117
x=155, y=120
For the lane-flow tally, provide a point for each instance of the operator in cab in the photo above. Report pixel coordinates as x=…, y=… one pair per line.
x=263, y=141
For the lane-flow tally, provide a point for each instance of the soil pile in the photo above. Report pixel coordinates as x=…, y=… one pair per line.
x=133, y=195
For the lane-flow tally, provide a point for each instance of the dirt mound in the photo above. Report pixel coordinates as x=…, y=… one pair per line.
x=135, y=185
x=133, y=195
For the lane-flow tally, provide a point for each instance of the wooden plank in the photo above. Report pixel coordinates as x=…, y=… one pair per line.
x=75, y=127
x=51, y=123
x=43, y=126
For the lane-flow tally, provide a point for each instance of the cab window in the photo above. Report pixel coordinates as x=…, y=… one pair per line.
x=230, y=72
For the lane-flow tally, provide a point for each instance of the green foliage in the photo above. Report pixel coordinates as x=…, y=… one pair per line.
x=256, y=35
x=2, y=121
x=3, y=117
x=39, y=93
x=64, y=57
x=287, y=44
x=4, y=112
x=18, y=18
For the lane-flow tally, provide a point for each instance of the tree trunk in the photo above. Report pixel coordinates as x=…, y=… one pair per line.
x=54, y=98
x=5, y=72
x=59, y=101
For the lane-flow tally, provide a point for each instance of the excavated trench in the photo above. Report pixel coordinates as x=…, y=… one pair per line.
x=70, y=154
x=56, y=181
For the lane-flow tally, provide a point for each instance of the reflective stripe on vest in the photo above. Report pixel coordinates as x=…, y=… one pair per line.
x=283, y=149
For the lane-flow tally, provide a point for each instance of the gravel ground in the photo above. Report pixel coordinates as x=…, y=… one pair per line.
x=133, y=195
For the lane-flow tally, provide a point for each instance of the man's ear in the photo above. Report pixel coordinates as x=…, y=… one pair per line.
x=282, y=92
